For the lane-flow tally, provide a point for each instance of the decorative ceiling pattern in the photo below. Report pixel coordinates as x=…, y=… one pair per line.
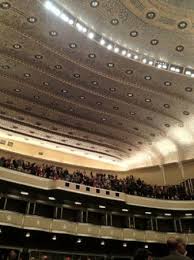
x=62, y=81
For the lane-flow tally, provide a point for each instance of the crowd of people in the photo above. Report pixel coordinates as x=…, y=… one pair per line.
x=129, y=185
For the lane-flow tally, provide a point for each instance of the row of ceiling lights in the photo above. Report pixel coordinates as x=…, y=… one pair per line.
x=79, y=240
x=78, y=203
x=116, y=48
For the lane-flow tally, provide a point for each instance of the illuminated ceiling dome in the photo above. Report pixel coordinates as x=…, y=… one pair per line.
x=108, y=80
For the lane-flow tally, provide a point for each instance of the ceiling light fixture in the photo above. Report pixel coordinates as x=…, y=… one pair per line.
x=79, y=241
x=52, y=8
x=51, y=198
x=148, y=212
x=116, y=49
x=125, y=210
x=25, y=193
x=102, y=243
x=124, y=244
x=102, y=207
x=91, y=35
x=27, y=234
x=78, y=203
x=188, y=214
x=109, y=47
x=167, y=214
x=102, y=41
x=54, y=238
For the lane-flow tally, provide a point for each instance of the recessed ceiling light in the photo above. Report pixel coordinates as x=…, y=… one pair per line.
x=125, y=210
x=31, y=19
x=73, y=45
x=147, y=100
x=54, y=238
x=135, y=56
x=79, y=240
x=51, y=198
x=129, y=72
x=25, y=193
x=27, y=75
x=147, y=77
x=94, y=82
x=76, y=75
x=102, y=42
x=188, y=214
x=90, y=35
x=53, y=33
x=58, y=67
x=130, y=94
x=148, y=212
x=78, y=203
x=167, y=214
x=64, y=91
x=154, y=41
x=166, y=105
x=186, y=113
x=123, y=52
x=103, y=119
x=109, y=47
x=133, y=34
x=94, y=4
x=167, y=83
x=146, y=246
x=99, y=103
x=150, y=15
x=102, y=207
x=5, y=5
x=17, y=46
x=102, y=243
x=179, y=48
x=17, y=90
x=188, y=89
x=116, y=49
x=182, y=25
x=166, y=125
x=110, y=65
x=45, y=83
x=92, y=55
x=82, y=97
x=124, y=244
x=132, y=113
x=38, y=57
x=128, y=55
x=114, y=21
x=112, y=89
x=27, y=234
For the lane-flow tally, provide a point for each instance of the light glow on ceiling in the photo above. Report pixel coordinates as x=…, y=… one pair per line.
x=113, y=45
x=181, y=135
x=165, y=146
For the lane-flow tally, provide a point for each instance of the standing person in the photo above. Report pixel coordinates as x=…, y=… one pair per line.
x=177, y=249
x=143, y=254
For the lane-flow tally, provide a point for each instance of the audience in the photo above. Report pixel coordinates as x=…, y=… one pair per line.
x=177, y=249
x=143, y=254
x=128, y=185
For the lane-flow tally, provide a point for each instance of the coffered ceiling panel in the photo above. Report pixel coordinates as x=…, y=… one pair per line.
x=110, y=78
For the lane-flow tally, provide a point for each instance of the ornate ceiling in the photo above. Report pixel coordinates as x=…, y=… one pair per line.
x=112, y=82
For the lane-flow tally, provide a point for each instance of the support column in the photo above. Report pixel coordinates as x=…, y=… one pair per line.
x=163, y=173
x=180, y=165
